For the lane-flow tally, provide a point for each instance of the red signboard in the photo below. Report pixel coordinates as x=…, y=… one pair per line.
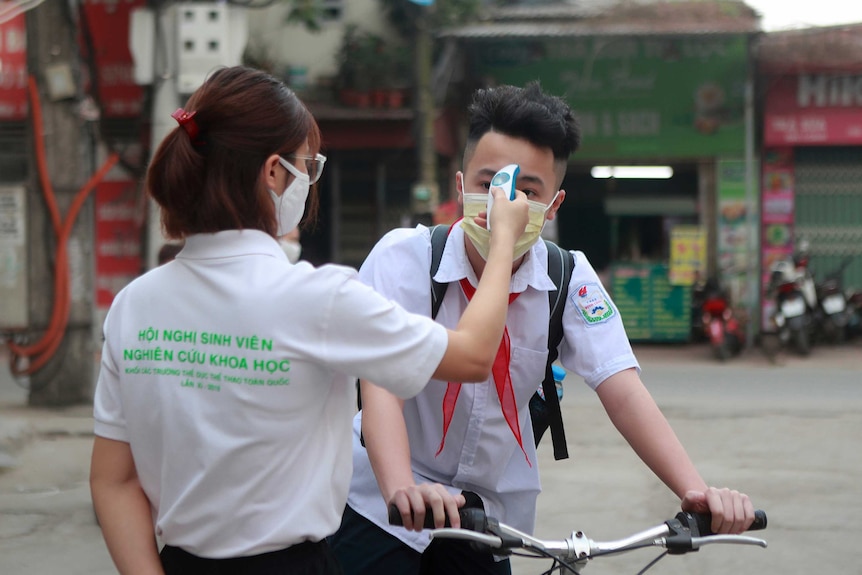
x=814, y=109
x=119, y=224
x=13, y=65
x=107, y=23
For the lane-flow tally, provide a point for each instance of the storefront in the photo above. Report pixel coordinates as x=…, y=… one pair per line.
x=656, y=195
x=812, y=156
x=370, y=173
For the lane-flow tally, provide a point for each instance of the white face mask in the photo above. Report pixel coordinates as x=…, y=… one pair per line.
x=290, y=206
x=481, y=237
x=292, y=249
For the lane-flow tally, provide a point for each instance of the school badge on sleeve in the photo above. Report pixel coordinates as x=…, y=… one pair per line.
x=593, y=303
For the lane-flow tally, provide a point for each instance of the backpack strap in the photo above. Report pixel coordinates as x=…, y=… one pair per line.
x=439, y=233
x=560, y=266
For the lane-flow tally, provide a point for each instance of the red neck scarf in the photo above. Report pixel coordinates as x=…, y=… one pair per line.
x=502, y=380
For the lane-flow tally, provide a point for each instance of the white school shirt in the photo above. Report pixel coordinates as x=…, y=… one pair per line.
x=226, y=371
x=481, y=453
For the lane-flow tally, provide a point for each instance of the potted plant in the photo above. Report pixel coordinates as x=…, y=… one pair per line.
x=397, y=76
x=359, y=66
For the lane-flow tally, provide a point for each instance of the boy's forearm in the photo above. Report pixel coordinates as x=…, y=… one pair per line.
x=386, y=441
x=639, y=420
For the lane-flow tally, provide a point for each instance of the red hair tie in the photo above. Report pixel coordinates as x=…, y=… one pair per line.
x=186, y=120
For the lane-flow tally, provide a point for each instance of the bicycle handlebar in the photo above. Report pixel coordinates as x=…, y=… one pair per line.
x=686, y=532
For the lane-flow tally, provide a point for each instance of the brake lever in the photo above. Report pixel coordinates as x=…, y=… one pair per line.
x=698, y=542
x=491, y=541
x=684, y=533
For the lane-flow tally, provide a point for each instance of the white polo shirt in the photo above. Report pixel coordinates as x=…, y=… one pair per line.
x=230, y=372
x=481, y=453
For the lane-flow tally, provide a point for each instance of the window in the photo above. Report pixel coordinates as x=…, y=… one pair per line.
x=332, y=10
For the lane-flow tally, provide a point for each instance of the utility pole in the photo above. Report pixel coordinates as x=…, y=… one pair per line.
x=52, y=58
x=426, y=195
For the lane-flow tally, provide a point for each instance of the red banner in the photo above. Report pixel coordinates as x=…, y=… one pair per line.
x=13, y=65
x=119, y=227
x=108, y=26
x=814, y=109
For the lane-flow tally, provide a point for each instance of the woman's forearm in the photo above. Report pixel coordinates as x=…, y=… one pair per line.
x=123, y=509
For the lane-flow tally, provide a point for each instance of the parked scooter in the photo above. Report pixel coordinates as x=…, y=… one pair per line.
x=833, y=314
x=791, y=320
x=723, y=328
x=854, y=313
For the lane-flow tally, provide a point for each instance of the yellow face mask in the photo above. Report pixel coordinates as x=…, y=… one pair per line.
x=481, y=237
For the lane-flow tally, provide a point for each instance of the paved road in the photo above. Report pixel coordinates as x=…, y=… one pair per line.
x=788, y=435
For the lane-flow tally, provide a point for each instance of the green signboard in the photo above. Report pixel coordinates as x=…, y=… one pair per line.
x=635, y=97
x=736, y=254
x=652, y=309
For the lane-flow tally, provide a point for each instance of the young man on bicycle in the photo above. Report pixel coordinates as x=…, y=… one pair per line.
x=474, y=443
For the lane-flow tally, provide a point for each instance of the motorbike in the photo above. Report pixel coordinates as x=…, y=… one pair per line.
x=854, y=312
x=722, y=326
x=833, y=313
x=791, y=320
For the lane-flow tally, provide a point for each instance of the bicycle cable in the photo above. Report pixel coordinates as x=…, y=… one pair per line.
x=557, y=565
x=653, y=562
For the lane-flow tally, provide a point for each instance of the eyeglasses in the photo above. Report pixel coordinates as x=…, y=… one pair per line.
x=313, y=165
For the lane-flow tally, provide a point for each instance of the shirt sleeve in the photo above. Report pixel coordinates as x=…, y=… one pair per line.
x=109, y=420
x=398, y=267
x=595, y=344
x=379, y=328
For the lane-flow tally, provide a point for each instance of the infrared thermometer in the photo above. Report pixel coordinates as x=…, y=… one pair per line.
x=505, y=178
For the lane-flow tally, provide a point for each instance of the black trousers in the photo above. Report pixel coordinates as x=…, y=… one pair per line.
x=363, y=548
x=302, y=559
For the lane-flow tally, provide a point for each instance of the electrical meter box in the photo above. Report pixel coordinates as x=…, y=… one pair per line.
x=13, y=258
x=209, y=35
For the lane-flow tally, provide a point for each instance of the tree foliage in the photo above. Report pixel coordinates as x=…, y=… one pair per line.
x=403, y=14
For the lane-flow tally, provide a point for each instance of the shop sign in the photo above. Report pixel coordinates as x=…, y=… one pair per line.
x=814, y=109
x=108, y=29
x=675, y=97
x=734, y=228
x=777, y=218
x=687, y=255
x=13, y=68
x=651, y=307
x=118, y=237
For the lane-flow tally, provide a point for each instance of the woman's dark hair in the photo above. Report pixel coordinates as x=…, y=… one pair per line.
x=528, y=113
x=213, y=183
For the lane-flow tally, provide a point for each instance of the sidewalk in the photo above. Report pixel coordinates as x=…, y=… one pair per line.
x=20, y=423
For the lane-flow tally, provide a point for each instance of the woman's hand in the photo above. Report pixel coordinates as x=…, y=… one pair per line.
x=509, y=217
x=412, y=502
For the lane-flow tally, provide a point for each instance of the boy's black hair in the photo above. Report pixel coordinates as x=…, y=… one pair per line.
x=528, y=113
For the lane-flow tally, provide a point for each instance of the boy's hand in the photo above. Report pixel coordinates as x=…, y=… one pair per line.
x=413, y=501
x=511, y=216
x=732, y=511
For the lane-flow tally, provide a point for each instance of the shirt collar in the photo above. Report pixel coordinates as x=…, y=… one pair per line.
x=533, y=272
x=231, y=243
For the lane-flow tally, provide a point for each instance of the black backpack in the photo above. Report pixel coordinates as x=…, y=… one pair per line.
x=543, y=413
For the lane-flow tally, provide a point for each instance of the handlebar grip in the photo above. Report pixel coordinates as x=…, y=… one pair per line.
x=395, y=518
x=703, y=521
x=471, y=518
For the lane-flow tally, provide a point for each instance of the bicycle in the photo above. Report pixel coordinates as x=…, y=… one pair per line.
x=685, y=533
